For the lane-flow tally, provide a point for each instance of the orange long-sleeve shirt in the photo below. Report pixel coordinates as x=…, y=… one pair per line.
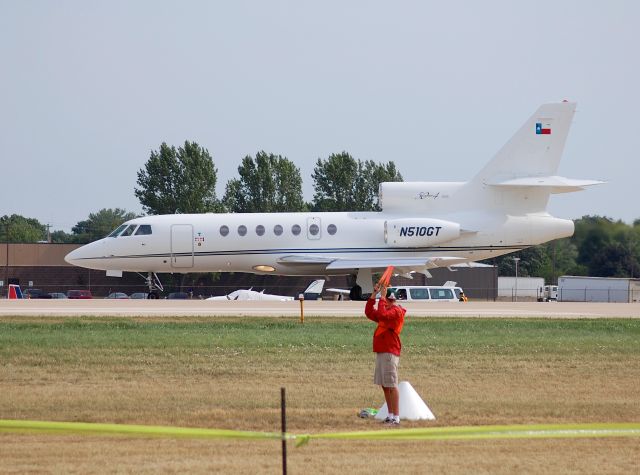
x=390, y=319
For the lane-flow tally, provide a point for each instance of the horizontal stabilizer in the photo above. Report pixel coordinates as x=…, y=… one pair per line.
x=556, y=184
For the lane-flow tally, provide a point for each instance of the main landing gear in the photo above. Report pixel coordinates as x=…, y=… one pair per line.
x=363, y=286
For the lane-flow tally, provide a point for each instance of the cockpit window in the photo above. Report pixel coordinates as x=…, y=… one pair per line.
x=117, y=231
x=128, y=231
x=143, y=230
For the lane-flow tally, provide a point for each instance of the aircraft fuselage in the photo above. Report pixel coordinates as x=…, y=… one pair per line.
x=258, y=243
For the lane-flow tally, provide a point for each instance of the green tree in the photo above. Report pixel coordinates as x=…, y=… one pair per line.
x=533, y=261
x=342, y=183
x=607, y=248
x=21, y=229
x=62, y=237
x=599, y=247
x=100, y=224
x=615, y=260
x=268, y=183
x=179, y=180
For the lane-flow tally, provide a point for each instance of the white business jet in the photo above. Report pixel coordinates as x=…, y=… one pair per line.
x=422, y=225
x=312, y=292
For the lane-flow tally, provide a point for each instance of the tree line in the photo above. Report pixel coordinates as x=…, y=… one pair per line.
x=599, y=247
x=184, y=179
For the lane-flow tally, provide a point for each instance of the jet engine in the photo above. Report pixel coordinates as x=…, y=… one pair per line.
x=419, y=232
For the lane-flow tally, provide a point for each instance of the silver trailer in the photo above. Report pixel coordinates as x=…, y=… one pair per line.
x=597, y=289
x=522, y=287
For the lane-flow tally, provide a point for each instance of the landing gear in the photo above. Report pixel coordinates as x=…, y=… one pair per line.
x=154, y=284
x=355, y=293
x=363, y=286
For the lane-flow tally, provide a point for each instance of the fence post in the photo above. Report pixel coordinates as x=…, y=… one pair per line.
x=283, y=421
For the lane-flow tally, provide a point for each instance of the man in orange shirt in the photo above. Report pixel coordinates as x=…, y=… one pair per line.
x=387, y=346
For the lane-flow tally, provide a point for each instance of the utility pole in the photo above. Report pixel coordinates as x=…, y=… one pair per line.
x=6, y=263
x=516, y=259
x=49, y=233
x=554, y=280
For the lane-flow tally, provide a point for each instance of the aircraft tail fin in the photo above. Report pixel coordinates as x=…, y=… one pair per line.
x=522, y=175
x=535, y=150
x=315, y=287
x=14, y=292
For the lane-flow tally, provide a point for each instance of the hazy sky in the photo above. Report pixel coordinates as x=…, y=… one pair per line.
x=88, y=88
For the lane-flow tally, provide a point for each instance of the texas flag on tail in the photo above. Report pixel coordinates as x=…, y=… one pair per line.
x=543, y=128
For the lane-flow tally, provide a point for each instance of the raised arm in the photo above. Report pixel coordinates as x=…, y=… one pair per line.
x=370, y=310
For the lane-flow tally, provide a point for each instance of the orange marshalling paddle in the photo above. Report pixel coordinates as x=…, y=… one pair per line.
x=383, y=283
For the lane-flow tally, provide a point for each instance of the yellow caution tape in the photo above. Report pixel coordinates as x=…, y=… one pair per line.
x=535, y=431
x=131, y=430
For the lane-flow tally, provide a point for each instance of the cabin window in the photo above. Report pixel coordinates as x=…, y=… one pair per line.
x=129, y=230
x=260, y=230
x=143, y=230
x=277, y=230
x=224, y=230
x=314, y=229
x=296, y=229
x=242, y=230
x=441, y=294
x=117, y=231
x=332, y=229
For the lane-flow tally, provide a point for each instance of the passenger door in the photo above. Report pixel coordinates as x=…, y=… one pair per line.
x=181, y=246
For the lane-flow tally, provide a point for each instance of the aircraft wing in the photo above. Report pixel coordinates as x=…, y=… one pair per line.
x=243, y=295
x=402, y=264
x=339, y=291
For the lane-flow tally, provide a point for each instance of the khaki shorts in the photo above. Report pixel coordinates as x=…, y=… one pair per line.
x=386, y=372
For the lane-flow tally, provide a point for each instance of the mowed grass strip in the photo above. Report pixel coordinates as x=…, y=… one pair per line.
x=226, y=373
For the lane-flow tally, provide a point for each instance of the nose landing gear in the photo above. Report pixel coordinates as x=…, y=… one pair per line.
x=154, y=284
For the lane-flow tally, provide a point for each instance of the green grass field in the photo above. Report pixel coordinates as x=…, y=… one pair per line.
x=227, y=373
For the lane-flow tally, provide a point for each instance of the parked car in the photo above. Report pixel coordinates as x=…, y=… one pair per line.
x=57, y=295
x=117, y=295
x=79, y=294
x=35, y=294
x=178, y=296
x=139, y=295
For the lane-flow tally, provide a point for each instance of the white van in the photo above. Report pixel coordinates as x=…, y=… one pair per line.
x=431, y=293
x=548, y=293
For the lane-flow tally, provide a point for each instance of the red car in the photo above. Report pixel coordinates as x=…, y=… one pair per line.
x=79, y=294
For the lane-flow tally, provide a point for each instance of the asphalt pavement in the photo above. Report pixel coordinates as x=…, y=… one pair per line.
x=204, y=308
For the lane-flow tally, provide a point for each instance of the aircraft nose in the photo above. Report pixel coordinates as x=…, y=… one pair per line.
x=79, y=256
x=73, y=257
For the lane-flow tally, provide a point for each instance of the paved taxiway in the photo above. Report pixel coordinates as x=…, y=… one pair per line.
x=203, y=308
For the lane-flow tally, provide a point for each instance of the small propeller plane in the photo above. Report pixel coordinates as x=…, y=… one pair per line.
x=422, y=225
x=312, y=292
